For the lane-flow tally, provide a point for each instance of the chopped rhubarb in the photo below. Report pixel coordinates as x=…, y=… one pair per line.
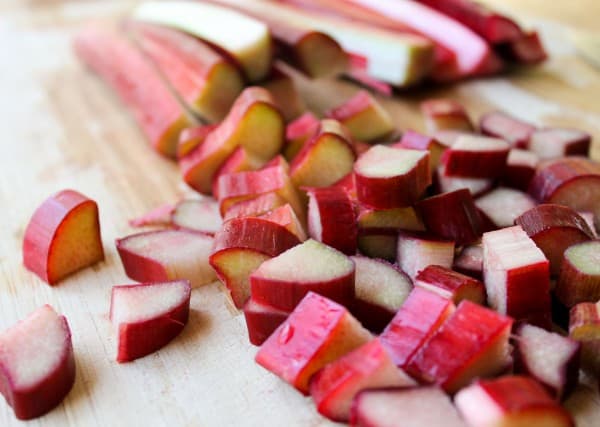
x=419, y=250
x=442, y=114
x=520, y=168
x=476, y=157
x=262, y=320
x=199, y=215
x=502, y=206
x=501, y=125
x=450, y=284
x=553, y=143
x=579, y=278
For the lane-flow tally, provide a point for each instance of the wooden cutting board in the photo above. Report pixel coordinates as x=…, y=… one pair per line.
x=61, y=128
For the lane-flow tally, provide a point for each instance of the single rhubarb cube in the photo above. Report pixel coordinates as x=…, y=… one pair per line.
x=516, y=276
x=416, y=321
x=527, y=49
x=472, y=343
x=584, y=326
x=391, y=177
x=476, y=157
x=520, y=168
x=552, y=143
x=316, y=333
x=262, y=320
x=283, y=281
x=579, y=278
x=198, y=215
x=452, y=216
x=450, y=284
x=380, y=289
x=445, y=183
x=443, y=114
x=418, y=250
x=510, y=401
x=549, y=358
x=370, y=366
x=502, y=206
x=501, y=125
x=401, y=407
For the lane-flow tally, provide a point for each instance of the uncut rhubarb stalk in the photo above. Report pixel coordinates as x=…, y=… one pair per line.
x=120, y=64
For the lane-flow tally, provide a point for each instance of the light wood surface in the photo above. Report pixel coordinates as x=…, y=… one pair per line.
x=61, y=128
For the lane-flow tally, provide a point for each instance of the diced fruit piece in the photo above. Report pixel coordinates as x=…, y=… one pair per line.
x=380, y=289
x=205, y=80
x=298, y=132
x=450, y=284
x=404, y=407
x=415, y=322
x=314, y=53
x=552, y=143
x=262, y=320
x=520, y=168
x=416, y=141
x=502, y=206
x=470, y=261
x=572, y=182
x=62, y=237
x=584, y=326
x=331, y=219
x=472, y=53
x=324, y=159
x=472, y=343
x=316, y=333
x=160, y=256
x=365, y=118
x=370, y=366
x=549, y=358
x=241, y=246
x=395, y=218
x=476, y=157
x=241, y=160
x=121, y=65
x=492, y=26
x=510, y=401
x=240, y=186
x=37, y=365
x=199, y=215
x=254, y=122
x=448, y=137
x=378, y=243
x=579, y=278
x=554, y=228
x=191, y=137
x=501, y=125
x=283, y=281
x=447, y=184
x=452, y=216
x=417, y=251
x=527, y=49
x=148, y=316
x=286, y=216
x=443, y=114
x=285, y=94
x=157, y=217
x=255, y=207
x=516, y=276
x=388, y=178
x=250, y=46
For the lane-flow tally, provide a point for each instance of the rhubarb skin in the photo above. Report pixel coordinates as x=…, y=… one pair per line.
x=472, y=343
x=417, y=141
x=414, y=324
x=527, y=49
x=298, y=132
x=388, y=178
x=191, y=137
x=476, y=157
x=579, y=278
x=516, y=276
x=255, y=207
x=520, y=169
x=120, y=64
x=450, y=284
x=364, y=117
x=510, y=400
x=369, y=366
x=452, y=216
x=262, y=320
x=139, y=338
x=554, y=228
x=331, y=219
x=442, y=114
x=501, y=125
x=492, y=26
x=316, y=333
x=239, y=161
x=205, y=80
x=254, y=122
x=62, y=237
x=570, y=181
x=324, y=159
x=34, y=400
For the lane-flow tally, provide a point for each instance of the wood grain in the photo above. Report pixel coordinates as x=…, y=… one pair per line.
x=63, y=129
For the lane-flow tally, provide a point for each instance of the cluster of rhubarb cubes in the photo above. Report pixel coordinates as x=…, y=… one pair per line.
x=384, y=275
